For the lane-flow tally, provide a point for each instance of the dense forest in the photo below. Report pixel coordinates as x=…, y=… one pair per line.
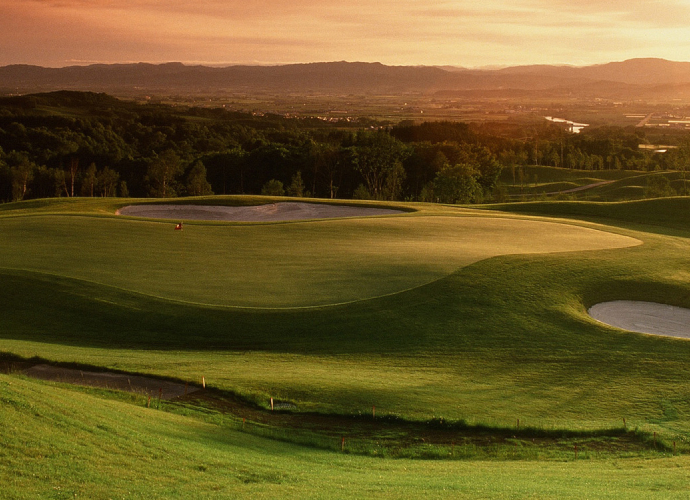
x=86, y=144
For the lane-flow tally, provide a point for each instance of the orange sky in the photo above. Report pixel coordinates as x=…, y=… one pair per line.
x=397, y=32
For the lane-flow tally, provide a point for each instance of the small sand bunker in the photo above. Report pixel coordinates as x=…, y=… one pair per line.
x=644, y=317
x=273, y=212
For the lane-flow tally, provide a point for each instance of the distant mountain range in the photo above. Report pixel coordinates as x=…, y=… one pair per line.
x=635, y=78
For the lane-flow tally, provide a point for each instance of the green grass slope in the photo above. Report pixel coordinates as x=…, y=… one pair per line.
x=503, y=337
x=500, y=339
x=276, y=265
x=546, y=174
x=59, y=443
x=659, y=214
x=598, y=185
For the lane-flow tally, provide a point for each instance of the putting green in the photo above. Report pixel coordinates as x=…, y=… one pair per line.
x=278, y=265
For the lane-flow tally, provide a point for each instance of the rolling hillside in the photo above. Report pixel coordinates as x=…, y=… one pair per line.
x=637, y=76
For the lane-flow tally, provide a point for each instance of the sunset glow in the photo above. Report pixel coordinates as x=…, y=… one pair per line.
x=396, y=32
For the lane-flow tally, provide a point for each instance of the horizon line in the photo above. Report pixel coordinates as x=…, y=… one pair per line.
x=259, y=64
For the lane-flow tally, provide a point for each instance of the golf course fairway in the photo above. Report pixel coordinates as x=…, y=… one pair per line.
x=467, y=321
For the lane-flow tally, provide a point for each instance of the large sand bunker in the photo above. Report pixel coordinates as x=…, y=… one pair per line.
x=644, y=317
x=273, y=212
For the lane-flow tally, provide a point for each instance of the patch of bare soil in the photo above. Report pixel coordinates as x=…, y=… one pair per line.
x=106, y=380
x=273, y=212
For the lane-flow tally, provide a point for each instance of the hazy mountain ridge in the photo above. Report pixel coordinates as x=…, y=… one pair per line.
x=635, y=75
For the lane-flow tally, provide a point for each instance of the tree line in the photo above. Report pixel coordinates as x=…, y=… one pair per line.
x=85, y=144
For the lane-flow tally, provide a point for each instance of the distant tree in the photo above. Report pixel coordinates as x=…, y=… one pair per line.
x=60, y=182
x=332, y=163
x=73, y=168
x=124, y=192
x=682, y=162
x=22, y=175
x=5, y=182
x=376, y=156
x=500, y=194
x=658, y=186
x=458, y=184
x=362, y=193
x=107, y=182
x=427, y=193
x=44, y=184
x=88, y=182
x=273, y=188
x=513, y=160
x=296, y=187
x=480, y=159
x=392, y=189
x=162, y=174
x=554, y=158
x=197, y=185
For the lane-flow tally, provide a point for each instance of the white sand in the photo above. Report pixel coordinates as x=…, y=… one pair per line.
x=644, y=317
x=286, y=211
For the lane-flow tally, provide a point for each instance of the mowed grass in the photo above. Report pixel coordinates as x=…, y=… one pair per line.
x=547, y=174
x=615, y=185
x=59, y=443
x=276, y=265
x=662, y=215
x=505, y=337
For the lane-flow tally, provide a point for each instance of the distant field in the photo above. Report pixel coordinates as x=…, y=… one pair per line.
x=587, y=185
x=467, y=314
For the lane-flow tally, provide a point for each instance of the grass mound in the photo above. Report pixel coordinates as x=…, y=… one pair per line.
x=664, y=213
x=276, y=265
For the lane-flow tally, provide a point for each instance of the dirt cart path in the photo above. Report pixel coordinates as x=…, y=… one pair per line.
x=131, y=383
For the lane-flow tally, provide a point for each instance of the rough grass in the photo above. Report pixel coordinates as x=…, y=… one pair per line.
x=61, y=444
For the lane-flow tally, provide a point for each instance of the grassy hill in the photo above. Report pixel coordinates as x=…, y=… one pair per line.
x=542, y=182
x=439, y=320
x=61, y=443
